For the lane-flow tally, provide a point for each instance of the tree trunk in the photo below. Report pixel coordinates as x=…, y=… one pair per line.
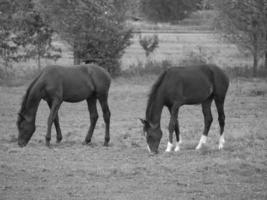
x=76, y=58
x=39, y=62
x=255, y=53
x=266, y=51
x=39, y=56
x=76, y=55
x=255, y=63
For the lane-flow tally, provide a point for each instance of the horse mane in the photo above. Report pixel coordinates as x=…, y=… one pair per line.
x=25, y=97
x=153, y=91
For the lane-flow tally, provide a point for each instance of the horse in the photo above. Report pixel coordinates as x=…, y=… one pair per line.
x=56, y=84
x=178, y=86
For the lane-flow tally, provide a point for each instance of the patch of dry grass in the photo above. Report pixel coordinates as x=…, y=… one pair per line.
x=125, y=170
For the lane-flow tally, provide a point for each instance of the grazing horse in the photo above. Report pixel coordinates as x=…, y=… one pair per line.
x=179, y=86
x=56, y=84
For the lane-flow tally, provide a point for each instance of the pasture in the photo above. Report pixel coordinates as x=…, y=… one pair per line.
x=125, y=170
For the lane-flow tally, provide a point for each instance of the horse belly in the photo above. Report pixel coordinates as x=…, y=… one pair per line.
x=76, y=92
x=197, y=92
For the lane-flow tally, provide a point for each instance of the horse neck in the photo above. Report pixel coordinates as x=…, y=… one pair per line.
x=154, y=110
x=32, y=103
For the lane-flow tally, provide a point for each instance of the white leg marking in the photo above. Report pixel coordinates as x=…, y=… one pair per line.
x=169, y=147
x=202, y=141
x=177, y=148
x=148, y=149
x=221, y=142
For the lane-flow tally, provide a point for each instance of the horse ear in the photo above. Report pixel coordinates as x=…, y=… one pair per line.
x=20, y=116
x=23, y=118
x=143, y=121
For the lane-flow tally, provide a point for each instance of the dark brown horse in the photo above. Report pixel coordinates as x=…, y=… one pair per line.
x=185, y=85
x=56, y=84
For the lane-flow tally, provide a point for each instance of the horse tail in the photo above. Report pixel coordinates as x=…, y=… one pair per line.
x=220, y=81
x=100, y=80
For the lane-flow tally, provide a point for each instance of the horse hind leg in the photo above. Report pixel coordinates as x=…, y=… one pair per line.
x=178, y=136
x=106, y=115
x=91, y=103
x=207, y=122
x=221, y=118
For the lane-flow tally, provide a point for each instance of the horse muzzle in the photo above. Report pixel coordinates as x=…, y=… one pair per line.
x=22, y=143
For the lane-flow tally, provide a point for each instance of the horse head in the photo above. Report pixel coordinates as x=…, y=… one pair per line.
x=26, y=129
x=153, y=135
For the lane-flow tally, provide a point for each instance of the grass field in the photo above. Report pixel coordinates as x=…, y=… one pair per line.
x=125, y=170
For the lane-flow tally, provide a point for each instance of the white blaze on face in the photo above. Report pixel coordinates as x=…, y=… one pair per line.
x=203, y=140
x=221, y=142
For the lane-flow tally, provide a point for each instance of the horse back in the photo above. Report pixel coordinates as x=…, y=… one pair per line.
x=75, y=83
x=194, y=84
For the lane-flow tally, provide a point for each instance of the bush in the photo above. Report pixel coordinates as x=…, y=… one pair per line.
x=149, y=43
x=246, y=72
x=149, y=68
x=195, y=58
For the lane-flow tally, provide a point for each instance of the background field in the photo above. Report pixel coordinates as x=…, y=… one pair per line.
x=176, y=43
x=125, y=170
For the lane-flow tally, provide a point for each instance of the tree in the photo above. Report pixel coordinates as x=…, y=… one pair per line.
x=149, y=44
x=94, y=29
x=35, y=35
x=168, y=10
x=8, y=47
x=244, y=22
x=23, y=33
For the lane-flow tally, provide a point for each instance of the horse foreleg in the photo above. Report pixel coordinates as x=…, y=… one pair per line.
x=91, y=103
x=52, y=116
x=56, y=123
x=207, y=120
x=106, y=115
x=173, y=126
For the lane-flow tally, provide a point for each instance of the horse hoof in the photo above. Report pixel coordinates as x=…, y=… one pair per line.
x=177, y=148
x=198, y=148
x=105, y=144
x=47, y=143
x=59, y=140
x=85, y=143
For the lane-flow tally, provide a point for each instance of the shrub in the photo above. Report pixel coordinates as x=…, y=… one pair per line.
x=149, y=44
x=149, y=68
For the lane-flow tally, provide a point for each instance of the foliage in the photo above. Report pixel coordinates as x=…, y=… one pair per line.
x=8, y=48
x=244, y=22
x=94, y=29
x=168, y=10
x=196, y=57
x=36, y=37
x=151, y=67
x=149, y=43
x=23, y=30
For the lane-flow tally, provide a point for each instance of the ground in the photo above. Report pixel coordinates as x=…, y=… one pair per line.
x=125, y=170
